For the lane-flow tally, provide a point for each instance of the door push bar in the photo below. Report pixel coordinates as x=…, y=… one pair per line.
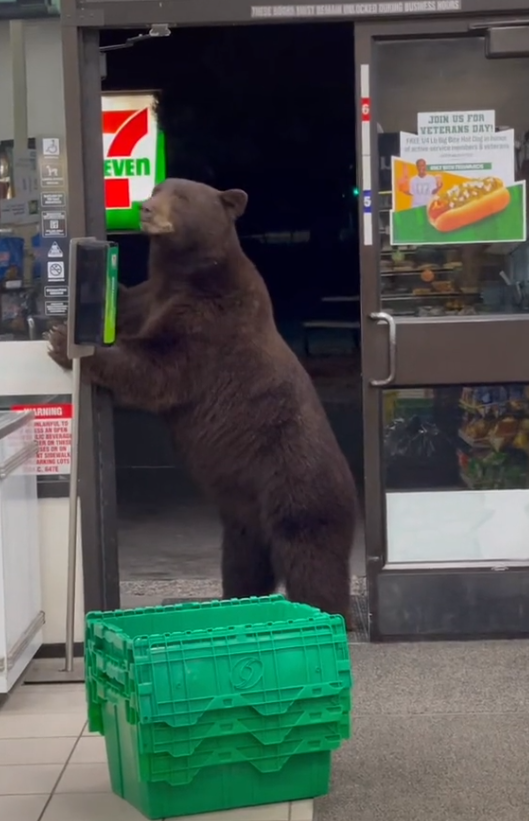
x=382, y=316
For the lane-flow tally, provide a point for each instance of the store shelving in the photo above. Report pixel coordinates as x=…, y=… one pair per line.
x=494, y=438
x=419, y=281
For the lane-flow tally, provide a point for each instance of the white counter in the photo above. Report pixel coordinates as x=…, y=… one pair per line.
x=21, y=615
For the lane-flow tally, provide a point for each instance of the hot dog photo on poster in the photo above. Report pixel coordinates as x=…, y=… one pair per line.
x=454, y=182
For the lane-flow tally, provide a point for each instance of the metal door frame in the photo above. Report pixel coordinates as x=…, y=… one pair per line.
x=403, y=601
x=86, y=212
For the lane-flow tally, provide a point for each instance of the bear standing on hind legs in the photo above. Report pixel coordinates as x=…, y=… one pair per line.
x=197, y=344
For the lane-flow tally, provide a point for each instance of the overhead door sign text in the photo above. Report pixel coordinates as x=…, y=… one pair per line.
x=357, y=9
x=53, y=432
x=134, y=157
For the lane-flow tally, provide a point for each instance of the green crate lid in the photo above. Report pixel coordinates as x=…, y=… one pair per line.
x=173, y=664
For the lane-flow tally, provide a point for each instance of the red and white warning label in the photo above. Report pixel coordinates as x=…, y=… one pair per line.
x=53, y=432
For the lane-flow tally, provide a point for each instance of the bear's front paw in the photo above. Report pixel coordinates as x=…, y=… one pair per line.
x=57, y=350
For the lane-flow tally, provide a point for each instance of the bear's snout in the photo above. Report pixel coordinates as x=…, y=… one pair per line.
x=146, y=209
x=153, y=219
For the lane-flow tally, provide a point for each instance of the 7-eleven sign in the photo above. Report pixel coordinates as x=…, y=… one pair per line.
x=134, y=156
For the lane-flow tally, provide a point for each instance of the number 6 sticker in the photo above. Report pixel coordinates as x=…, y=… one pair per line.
x=366, y=109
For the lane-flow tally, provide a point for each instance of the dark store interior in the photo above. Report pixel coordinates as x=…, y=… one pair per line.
x=269, y=109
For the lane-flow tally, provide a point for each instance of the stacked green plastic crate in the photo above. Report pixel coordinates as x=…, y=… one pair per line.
x=216, y=705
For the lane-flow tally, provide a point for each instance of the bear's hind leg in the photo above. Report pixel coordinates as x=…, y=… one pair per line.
x=316, y=572
x=246, y=565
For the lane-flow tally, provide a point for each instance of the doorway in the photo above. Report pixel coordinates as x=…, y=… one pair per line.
x=271, y=110
x=444, y=324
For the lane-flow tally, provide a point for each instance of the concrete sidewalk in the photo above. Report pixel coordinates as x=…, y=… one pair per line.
x=440, y=733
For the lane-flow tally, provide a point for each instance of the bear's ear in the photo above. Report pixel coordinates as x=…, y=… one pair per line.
x=235, y=201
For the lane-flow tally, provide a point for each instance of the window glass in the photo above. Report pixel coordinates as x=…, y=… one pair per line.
x=454, y=159
x=33, y=256
x=456, y=465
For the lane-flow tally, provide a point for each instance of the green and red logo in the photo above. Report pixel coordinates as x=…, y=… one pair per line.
x=134, y=157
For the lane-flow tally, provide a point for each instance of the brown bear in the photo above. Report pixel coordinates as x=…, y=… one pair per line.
x=197, y=344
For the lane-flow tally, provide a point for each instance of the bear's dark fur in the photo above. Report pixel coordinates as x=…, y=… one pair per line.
x=197, y=344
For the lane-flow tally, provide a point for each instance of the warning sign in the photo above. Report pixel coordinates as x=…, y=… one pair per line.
x=53, y=432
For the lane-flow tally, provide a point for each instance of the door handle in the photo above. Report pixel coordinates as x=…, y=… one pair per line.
x=382, y=316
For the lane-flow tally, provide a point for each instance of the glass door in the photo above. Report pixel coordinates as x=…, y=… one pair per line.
x=444, y=144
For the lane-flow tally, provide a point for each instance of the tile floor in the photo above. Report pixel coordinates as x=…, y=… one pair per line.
x=52, y=769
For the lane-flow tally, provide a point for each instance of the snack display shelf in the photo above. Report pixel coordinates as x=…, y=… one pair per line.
x=391, y=272
x=466, y=406
x=479, y=444
x=405, y=249
x=515, y=407
x=440, y=294
x=516, y=482
x=398, y=273
x=434, y=285
x=494, y=438
x=467, y=481
x=472, y=484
